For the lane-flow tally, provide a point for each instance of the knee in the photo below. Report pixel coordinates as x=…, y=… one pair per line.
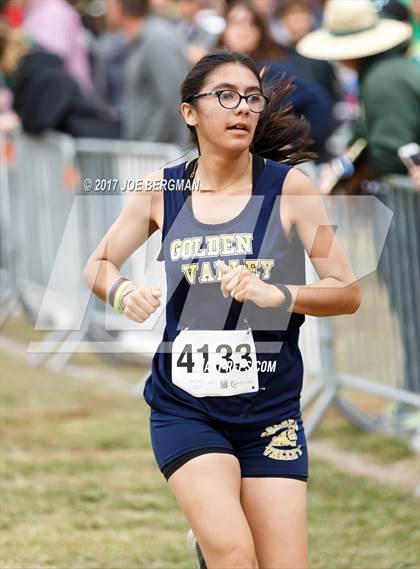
x=241, y=560
x=237, y=556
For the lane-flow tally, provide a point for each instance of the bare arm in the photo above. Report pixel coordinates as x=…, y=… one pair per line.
x=136, y=222
x=337, y=291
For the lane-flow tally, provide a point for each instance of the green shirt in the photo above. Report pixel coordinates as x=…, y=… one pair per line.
x=390, y=100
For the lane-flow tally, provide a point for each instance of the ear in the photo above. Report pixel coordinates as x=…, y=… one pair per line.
x=189, y=114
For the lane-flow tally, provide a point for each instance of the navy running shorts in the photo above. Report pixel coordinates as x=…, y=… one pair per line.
x=276, y=449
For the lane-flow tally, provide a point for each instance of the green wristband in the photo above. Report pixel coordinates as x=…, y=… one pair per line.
x=119, y=294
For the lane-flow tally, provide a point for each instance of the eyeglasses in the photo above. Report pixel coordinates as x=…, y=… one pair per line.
x=229, y=99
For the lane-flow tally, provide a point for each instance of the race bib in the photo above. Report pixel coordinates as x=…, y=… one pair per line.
x=215, y=362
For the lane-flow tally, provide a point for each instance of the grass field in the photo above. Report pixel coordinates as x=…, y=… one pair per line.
x=81, y=489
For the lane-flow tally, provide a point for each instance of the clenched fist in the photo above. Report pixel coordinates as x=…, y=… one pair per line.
x=243, y=285
x=139, y=303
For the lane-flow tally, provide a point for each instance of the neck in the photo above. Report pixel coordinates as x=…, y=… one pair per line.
x=217, y=170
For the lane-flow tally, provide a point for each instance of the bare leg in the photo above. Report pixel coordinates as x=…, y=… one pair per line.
x=276, y=512
x=207, y=488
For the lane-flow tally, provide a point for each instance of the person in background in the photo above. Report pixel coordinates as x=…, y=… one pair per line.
x=376, y=49
x=155, y=67
x=112, y=49
x=246, y=32
x=406, y=11
x=11, y=15
x=395, y=10
x=389, y=86
x=45, y=96
x=292, y=21
x=57, y=27
x=198, y=37
x=265, y=9
x=107, y=53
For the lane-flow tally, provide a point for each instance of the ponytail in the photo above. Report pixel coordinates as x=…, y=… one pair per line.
x=280, y=135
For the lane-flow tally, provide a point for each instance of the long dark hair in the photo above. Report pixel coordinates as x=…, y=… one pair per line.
x=280, y=135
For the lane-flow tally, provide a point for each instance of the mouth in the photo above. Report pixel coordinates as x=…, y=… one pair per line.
x=239, y=127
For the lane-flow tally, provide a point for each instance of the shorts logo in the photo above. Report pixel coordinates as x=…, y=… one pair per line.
x=287, y=438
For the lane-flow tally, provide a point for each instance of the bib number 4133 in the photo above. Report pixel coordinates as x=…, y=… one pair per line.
x=223, y=364
x=210, y=362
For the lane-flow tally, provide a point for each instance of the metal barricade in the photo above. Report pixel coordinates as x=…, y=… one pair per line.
x=48, y=229
x=371, y=358
x=37, y=192
x=8, y=294
x=105, y=168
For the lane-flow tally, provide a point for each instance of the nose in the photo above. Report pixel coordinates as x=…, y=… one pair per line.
x=242, y=107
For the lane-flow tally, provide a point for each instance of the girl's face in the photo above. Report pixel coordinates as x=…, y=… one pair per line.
x=241, y=33
x=230, y=129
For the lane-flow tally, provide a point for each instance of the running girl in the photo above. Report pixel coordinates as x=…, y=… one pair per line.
x=229, y=438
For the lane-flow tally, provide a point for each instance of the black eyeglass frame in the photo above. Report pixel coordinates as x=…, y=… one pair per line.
x=219, y=92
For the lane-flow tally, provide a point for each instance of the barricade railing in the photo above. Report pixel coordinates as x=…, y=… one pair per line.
x=37, y=195
x=104, y=169
x=8, y=296
x=371, y=358
x=118, y=166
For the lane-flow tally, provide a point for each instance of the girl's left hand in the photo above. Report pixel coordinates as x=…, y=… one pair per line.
x=242, y=285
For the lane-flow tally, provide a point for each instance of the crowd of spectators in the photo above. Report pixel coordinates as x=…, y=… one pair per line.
x=113, y=68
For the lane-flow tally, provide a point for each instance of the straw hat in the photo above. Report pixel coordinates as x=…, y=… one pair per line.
x=352, y=29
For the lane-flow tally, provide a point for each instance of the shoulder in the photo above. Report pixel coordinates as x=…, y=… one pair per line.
x=149, y=188
x=307, y=211
x=176, y=171
x=149, y=199
x=141, y=203
x=292, y=211
x=152, y=185
x=154, y=181
x=277, y=167
x=155, y=175
x=143, y=187
x=297, y=183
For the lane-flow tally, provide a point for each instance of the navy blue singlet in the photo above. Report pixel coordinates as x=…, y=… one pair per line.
x=190, y=249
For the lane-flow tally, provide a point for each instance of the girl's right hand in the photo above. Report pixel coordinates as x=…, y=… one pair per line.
x=139, y=303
